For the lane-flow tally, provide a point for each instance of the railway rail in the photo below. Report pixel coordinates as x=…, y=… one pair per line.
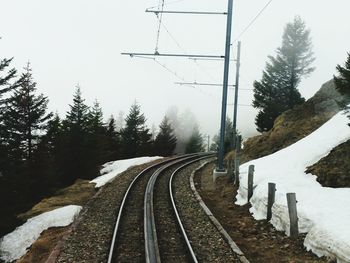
x=149, y=227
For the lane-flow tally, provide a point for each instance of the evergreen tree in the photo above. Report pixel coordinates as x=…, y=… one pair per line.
x=113, y=140
x=25, y=118
x=165, y=142
x=76, y=153
x=5, y=79
x=342, y=82
x=195, y=143
x=98, y=139
x=77, y=118
x=228, y=137
x=277, y=91
x=6, y=76
x=135, y=136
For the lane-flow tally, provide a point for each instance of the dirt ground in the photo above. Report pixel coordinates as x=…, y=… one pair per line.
x=258, y=240
x=42, y=248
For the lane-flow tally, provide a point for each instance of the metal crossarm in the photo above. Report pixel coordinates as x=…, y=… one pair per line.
x=171, y=55
x=185, y=12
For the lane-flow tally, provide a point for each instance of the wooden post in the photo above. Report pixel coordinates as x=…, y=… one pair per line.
x=271, y=200
x=250, y=181
x=293, y=215
x=237, y=159
x=230, y=172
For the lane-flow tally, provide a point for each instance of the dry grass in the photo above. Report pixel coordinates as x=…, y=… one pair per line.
x=41, y=249
x=78, y=194
x=295, y=124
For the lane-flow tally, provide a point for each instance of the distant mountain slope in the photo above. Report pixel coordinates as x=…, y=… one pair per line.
x=296, y=123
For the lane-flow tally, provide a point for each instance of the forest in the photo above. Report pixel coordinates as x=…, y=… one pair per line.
x=42, y=152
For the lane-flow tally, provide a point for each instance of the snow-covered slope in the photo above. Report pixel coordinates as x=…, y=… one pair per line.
x=15, y=244
x=324, y=213
x=112, y=169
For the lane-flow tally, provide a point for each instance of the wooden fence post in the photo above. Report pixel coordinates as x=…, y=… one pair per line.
x=250, y=181
x=293, y=215
x=237, y=159
x=270, y=200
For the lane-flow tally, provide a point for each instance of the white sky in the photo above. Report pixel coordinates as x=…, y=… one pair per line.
x=80, y=41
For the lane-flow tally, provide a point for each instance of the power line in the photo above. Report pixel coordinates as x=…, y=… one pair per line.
x=252, y=22
x=166, y=4
x=181, y=78
x=184, y=50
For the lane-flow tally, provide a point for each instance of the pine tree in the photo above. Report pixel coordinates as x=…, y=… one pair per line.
x=6, y=85
x=229, y=133
x=277, y=91
x=135, y=136
x=77, y=118
x=113, y=139
x=165, y=142
x=76, y=153
x=195, y=143
x=25, y=118
x=98, y=139
x=342, y=83
x=5, y=79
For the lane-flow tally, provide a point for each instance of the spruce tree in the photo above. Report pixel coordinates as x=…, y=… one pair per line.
x=77, y=119
x=195, y=143
x=277, y=91
x=165, y=142
x=98, y=139
x=113, y=140
x=342, y=83
x=25, y=118
x=76, y=151
x=6, y=78
x=135, y=136
x=6, y=85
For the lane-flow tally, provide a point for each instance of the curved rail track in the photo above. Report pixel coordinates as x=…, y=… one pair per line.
x=148, y=213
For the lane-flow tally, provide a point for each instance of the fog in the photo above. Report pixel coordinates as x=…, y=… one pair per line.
x=70, y=42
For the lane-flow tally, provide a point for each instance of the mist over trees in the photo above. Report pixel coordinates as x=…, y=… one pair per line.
x=228, y=142
x=342, y=82
x=277, y=91
x=165, y=141
x=195, y=143
x=184, y=125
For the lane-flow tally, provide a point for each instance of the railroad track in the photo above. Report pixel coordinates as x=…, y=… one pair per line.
x=148, y=226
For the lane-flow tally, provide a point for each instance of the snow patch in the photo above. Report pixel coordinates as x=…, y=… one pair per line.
x=15, y=244
x=323, y=212
x=111, y=170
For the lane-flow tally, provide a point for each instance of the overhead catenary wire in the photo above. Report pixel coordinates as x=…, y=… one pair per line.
x=165, y=4
x=183, y=49
x=252, y=22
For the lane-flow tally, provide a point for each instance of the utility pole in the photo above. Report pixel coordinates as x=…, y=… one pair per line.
x=238, y=64
x=220, y=165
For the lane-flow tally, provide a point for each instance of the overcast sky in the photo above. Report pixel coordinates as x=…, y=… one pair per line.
x=80, y=41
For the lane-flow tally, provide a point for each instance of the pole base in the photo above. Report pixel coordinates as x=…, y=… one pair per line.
x=218, y=173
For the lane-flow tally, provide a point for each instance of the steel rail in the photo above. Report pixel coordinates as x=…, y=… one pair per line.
x=150, y=232
x=126, y=195
x=179, y=222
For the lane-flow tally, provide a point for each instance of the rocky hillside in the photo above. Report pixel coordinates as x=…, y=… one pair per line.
x=295, y=124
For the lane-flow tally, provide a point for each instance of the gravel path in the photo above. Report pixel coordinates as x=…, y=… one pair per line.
x=206, y=241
